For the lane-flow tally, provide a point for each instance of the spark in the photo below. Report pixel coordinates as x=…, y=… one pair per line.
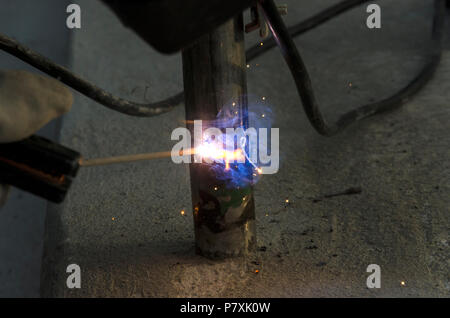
x=259, y=170
x=402, y=283
x=234, y=104
x=263, y=115
x=183, y=212
x=243, y=143
x=216, y=188
x=262, y=43
x=257, y=271
x=264, y=98
x=214, y=152
x=287, y=201
x=248, y=65
x=113, y=219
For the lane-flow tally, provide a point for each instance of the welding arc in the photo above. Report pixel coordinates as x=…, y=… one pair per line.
x=153, y=109
x=303, y=81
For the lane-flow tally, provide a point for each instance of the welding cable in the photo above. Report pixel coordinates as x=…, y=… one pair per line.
x=148, y=110
x=305, y=26
x=99, y=95
x=303, y=81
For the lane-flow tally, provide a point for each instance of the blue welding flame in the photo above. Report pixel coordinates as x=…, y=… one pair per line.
x=258, y=115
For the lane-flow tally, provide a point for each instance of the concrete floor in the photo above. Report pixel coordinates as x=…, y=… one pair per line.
x=400, y=160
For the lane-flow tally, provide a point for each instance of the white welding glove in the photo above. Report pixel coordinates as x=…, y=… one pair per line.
x=27, y=103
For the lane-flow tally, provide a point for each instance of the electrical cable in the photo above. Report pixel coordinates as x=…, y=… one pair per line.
x=148, y=110
x=306, y=25
x=99, y=95
x=299, y=71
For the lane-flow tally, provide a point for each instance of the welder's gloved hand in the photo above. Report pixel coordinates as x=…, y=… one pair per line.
x=28, y=102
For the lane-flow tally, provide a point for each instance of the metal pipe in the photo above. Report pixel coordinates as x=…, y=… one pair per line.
x=214, y=70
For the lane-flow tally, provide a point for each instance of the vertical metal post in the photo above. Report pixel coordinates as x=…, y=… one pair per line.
x=214, y=70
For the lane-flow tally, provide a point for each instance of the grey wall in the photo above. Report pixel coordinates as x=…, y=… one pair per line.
x=41, y=26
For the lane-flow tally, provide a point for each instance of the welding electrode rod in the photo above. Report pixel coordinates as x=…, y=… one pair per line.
x=124, y=159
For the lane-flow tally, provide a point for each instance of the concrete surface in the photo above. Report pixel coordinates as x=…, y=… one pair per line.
x=122, y=224
x=38, y=25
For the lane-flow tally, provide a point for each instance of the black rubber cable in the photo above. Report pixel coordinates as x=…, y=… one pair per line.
x=148, y=110
x=305, y=26
x=303, y=82
x=99, y=95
